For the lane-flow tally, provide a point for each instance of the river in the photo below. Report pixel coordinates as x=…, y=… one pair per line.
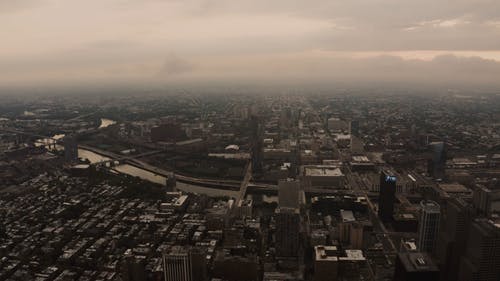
x=93, y=158
x=152, y=177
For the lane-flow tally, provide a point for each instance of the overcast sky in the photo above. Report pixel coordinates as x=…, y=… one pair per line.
x=45, y=42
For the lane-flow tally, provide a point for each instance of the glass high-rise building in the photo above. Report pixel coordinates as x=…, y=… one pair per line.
x=177, y=265
x=287, y=232
x=387, y=196
x=429, y=226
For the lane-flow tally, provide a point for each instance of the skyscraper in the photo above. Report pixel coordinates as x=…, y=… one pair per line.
x=326, y=263
x=256, y=140
x=415, y=266
x=285, y=117
x=485, y=200
x=177, y=265
x=350, y=230
x=452, y=237
x=70, y=149
x=481, y=260
x=354, y=127
x=288, y=193
x=287, y=232
x=198, y=264
x=429, y=226
x=438, y=162
x=387, y=196
x=133, y=268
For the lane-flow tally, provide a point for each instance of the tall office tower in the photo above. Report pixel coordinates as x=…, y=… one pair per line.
x=350, y=231
x=287, y=232
x=285, y=117
x=354, y=127
x=486, y=201
x=429, y=226
x=133, y=268
x=70, y=149
x=415, y=266
x=438, y=162
x=387, y=196
x=256, y=137
x=481, y=260
x=453, y=237
x=171, y=182
x=289, y=193
x=326, y=263
x=198, y=264
x=234, y=267
x=177, y=265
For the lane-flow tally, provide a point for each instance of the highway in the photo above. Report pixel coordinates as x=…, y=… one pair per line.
x=133, y=160
x=217, y=183
x=244, y=183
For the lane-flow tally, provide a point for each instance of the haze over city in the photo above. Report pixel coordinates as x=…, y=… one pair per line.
x=160, y=43
x=218, y=140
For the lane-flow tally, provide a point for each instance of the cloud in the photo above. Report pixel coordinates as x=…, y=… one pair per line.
x=448, y=69
x=324, y=24
x=175, y=65
x=438, y=23
x=493, y=23
x=9, y=6
x=57, y=41
x=296, y=68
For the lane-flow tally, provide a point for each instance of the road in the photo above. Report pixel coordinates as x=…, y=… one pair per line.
x=133, y=160
x=244, y=183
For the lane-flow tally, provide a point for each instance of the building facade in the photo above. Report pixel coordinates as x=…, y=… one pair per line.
x=429, y=226
x=287, y=232
x=177, y=265
x=387, y=196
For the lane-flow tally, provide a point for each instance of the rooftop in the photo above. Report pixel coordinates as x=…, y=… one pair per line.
x=430, y=206
x=360, y=158
x=454, y=188
x=347, y=216
x=353, y=255
x=326, y=253
x=415, y=261
x=322, y=171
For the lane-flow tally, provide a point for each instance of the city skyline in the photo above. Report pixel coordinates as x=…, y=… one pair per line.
x=250, y=140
